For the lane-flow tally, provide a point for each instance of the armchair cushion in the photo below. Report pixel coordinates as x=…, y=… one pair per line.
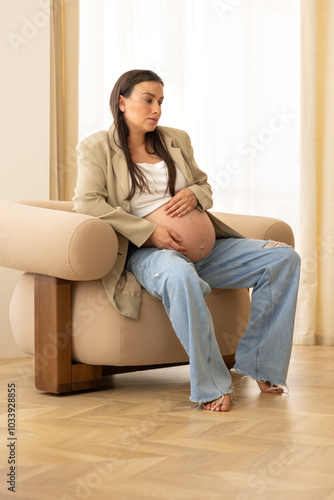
x=55, y=242
x=102, y=336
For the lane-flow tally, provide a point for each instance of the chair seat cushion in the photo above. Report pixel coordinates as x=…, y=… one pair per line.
x=102, y=336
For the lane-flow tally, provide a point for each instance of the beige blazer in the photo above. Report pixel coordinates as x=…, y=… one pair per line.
x=101, y=191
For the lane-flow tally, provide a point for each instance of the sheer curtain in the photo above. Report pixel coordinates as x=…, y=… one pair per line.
x=64, y=85
x=231, y=73
x=315, y=312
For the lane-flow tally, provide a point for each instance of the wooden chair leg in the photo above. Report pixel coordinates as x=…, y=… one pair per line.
x=54, y=370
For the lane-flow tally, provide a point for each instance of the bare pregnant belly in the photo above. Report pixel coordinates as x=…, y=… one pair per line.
x=195, y=229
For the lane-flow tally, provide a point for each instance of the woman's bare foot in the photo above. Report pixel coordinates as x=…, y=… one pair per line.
x=268, y=387
x=221, y=404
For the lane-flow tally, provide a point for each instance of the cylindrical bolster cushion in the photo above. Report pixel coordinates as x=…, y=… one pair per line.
x=258, y=227
x=56, y=243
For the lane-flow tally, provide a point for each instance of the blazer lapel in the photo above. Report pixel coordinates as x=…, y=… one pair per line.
x=119, y=164
x=177, y=157
x=121, y=171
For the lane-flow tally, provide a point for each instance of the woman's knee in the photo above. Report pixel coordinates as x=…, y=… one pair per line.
x=291, y=256
x=287, y=256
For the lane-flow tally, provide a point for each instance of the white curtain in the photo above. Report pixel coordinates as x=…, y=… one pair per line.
x=315, y=312
x=231, y=73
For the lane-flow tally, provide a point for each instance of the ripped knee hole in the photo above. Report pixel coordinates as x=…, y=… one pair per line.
x=275, y=244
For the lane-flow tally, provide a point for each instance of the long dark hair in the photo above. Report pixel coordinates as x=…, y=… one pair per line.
x=154, y=141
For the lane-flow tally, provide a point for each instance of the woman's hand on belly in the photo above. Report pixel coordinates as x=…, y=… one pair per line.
x=181, y=204
x=193, y=234
x=165, y=238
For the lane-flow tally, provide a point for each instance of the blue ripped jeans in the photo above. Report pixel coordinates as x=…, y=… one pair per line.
x=264, y=350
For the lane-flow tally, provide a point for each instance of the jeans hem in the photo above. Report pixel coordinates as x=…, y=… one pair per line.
x=212, y=399
x=265, y=379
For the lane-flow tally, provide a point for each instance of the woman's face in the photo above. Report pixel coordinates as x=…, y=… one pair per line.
x=142, y=109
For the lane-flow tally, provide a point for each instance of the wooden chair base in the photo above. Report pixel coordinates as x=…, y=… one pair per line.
x=54, y=370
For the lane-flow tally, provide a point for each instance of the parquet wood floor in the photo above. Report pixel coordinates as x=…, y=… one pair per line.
x=136, y=438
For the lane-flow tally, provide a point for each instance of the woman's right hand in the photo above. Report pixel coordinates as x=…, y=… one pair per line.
x=165, y=238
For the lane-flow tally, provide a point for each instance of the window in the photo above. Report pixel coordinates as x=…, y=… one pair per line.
x=231, y=73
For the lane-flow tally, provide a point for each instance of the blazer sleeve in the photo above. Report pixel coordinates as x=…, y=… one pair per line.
x=91, y=199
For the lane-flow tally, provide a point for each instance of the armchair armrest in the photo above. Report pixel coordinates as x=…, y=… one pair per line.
x=55, y=242
x=257, y=227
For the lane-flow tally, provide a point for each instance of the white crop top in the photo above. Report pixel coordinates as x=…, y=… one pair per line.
x=156, y=174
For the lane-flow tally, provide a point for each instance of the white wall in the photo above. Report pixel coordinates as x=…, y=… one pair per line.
x=24, y=124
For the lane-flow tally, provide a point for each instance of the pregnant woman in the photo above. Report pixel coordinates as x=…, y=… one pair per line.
x=143, y=180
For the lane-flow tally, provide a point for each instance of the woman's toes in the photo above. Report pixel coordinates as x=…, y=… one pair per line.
x=221, y=404
x=226, y=403
x=268, y=387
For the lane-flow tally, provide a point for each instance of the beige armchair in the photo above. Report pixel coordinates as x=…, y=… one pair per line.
x=60, y=313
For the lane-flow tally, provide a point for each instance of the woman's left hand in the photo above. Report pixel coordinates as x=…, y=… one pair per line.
x=182, y=203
